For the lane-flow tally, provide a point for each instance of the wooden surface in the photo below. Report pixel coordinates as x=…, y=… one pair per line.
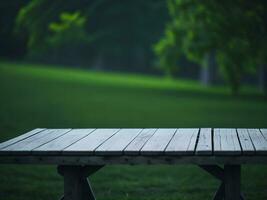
x=118, y=142
x=57, y=145
x=226, y=141
x=157, y=144
x=183, y=142
x=204, y=145
x=88, y=144
x=27, y=145
x=258, y=140
x=19, y=138
x=246, y=142
x=137, y=145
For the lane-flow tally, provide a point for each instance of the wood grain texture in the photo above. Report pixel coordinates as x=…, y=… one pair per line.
x=226, y=142
x=258, y=141
x=19, y=138
x=88, y=144
x=62, y=142
x=118, y=142
x=245, y=141
x=204, y=144
x=135, y=146
x=157, y=144
x=264, y=132
x=183, y=142
x=27, y=145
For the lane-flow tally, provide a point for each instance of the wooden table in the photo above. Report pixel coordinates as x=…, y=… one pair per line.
x=78, y=153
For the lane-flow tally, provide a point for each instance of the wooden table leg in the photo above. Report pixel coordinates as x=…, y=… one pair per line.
x=76, y=185
x=232, y=176
x=230, y=181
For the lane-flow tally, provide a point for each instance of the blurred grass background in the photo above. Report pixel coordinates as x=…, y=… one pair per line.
x=41, y=96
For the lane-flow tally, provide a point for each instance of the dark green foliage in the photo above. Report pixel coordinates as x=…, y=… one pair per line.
x=121, y=33
x=235, y=31
x=11, y=46
x=68, y=41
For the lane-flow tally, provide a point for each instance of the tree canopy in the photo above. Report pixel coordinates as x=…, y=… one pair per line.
x=121, y=33
x=233, y=31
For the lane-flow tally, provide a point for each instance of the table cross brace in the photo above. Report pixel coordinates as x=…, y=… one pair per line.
x=77, y=186
x=229, y=176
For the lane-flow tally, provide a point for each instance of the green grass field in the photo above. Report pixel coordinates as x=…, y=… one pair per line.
x=40, y=96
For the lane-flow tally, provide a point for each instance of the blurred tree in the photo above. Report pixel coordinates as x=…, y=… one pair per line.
x=12, y=47
x=34, y=19
x=233, y=31
x=121, y=32
x=68, y=42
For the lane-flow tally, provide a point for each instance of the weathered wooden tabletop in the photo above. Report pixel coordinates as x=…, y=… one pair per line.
x=137, y=146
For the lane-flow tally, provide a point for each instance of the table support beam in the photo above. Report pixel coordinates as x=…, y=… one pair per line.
x=214, y=170
x=76, y=185
x=230, y=177
x=232, y=182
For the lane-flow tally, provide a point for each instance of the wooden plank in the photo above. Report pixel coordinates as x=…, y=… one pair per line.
x=19, y=138
x=157, y=144
x=60, y=143
x=258, y=141
x=88, y=144
x=204, y=144
x=264, y=132
x=245, y=141
x=25, y=141
x=118, y=142
x=226, y=142
x=183, y=142
x=135, y=146
x=25, y=146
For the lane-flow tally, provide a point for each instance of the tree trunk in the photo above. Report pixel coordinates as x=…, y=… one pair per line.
x=98, y=63
x=234, y=79
x=208, y=69
x=235, y=86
